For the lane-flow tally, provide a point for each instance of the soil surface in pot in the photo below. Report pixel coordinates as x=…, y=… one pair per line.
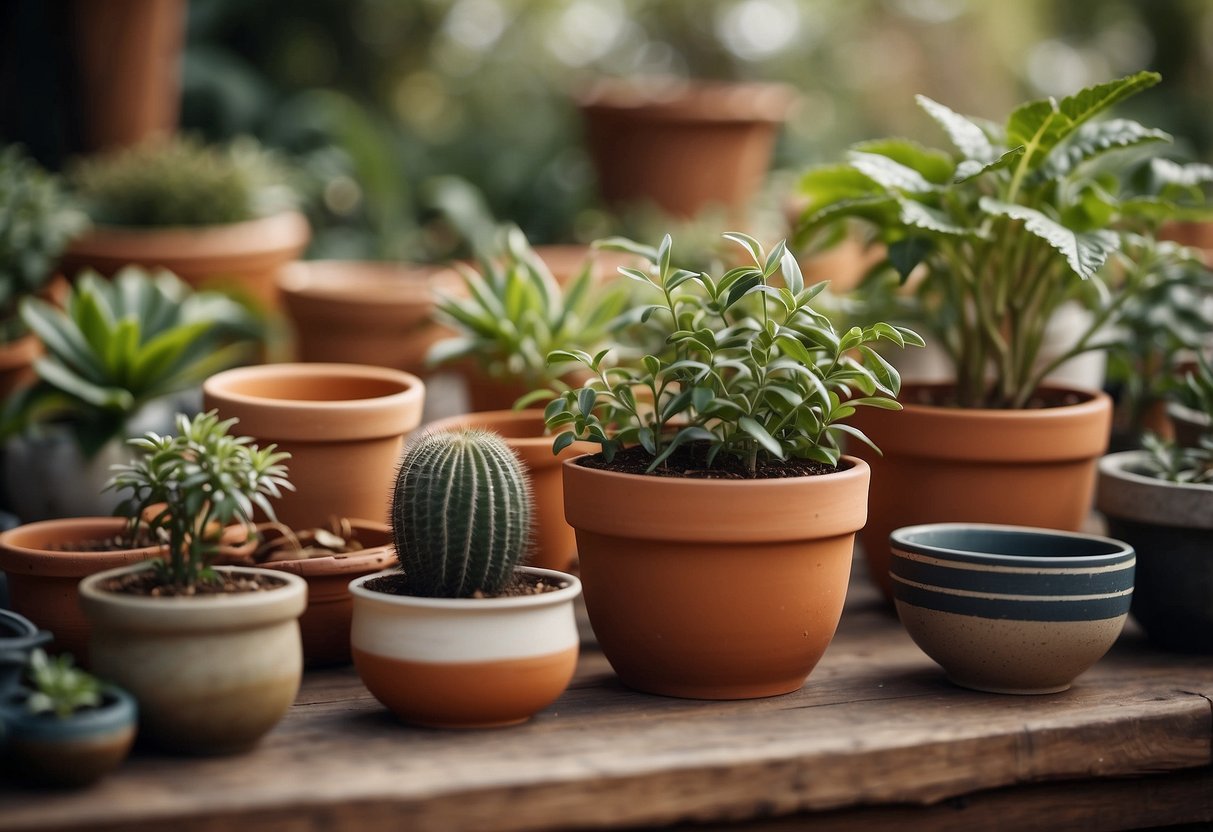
x=114, y=543
x=282, y=543
x=520, y=585
x=147, y=583
x=690, y=462
x=945, y=396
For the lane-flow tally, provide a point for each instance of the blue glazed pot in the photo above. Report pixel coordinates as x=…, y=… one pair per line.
x=1010, y=609
x=72, y=751
x=18, y=636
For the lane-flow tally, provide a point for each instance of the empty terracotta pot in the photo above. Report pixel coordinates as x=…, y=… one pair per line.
x=554, y=545
x=715, y=589
x=685, y=146
x=466, y=662
x=362, y=312
x=1032, y=467
x=343, y=424
x=243, y=258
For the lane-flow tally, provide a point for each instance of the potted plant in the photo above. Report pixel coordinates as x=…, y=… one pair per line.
x=716, y=527
x=212, y=654
x=512, y=315
x=37, y=220
x=18, y=636
x=1159, y=499
x=1189, y=410
x=343, y=424
x=997, y=237
x=67, y=728
x=215, y=216
x=116, y=354
x=461, y=636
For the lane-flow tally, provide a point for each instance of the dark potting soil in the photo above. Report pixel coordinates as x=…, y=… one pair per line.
x=945, y=396
x=115, y=543
x=521, y=585
x=147, y=583
x=690, y=461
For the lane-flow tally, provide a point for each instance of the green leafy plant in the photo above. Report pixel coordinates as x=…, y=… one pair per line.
x=1020, y=219
x=1165, y=458
x=515, y=314
x=461, y=514
x=182, y=181
x=186, y=488
x=750, y=368
x=1196, y=390
x=37, y=221
x=116, y=345
x=59, y=687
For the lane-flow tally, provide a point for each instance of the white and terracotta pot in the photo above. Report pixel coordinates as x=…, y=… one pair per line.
x=466, y=662
x=212, y=674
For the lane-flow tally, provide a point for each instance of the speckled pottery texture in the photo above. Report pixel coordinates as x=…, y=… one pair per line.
x=1171, y=527
x=73, y=751
x=1008, y=609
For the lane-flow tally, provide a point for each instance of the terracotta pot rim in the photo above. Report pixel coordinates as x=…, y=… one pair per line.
x=904, y=540
x=360, y=282
x=472, y=605
x=282, y=231
x=488, y=418
x=63, y=563
x=671, y=99
x=1091, y=401
x=853, y=470
x=344, y=563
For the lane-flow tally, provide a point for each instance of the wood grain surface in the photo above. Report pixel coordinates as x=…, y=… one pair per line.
x=876, y=736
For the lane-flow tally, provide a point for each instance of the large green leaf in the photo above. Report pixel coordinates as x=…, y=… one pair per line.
x=889, y=174
x=823, y=187
x=61, y=339
x=1085, y=252
x=1094, y=139
x=105, y=397
x=881, y=211
x=1090, y=102
x=917, y=215
x=933, y=165
x=969, y=139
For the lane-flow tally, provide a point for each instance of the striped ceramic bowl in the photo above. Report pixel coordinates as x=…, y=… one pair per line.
x=1009, y=609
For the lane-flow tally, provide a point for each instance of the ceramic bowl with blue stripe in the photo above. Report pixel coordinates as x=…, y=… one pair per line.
x=1010, y=609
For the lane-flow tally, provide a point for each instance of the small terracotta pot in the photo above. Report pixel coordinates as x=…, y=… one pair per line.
x=949, y=464
x=361, y=312
x=554, y=545
x=42, y=578
x=1010, y=609
x=212, y=673
x=243, y=258
x=565, y=262
x=17, y=363
x=72, y=751
x=343, y=424
x=325, y=624
x=466, y=662
x=715, y=589
x=685, y=146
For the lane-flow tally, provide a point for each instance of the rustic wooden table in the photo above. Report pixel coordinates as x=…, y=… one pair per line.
x=876, y=737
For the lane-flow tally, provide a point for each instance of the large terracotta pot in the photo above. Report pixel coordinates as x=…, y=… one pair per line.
x=554, y=545
x=343, y=424
x=684, y=146
x=466, y=662
x=362, y=312
x=325, y=624
x=1031, y=467
x=212, y=673
x=715, y=589
x=243, y=258
x=42, y=577
x=17, y=363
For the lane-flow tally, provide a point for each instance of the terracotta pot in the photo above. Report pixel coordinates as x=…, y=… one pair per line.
x=133, y=92
x=42, y=578
x=523, y=430
x=1171, y=527
x=243, y=258
x=566, y=262
x=72, y=751
x=212, y=673
x=1197, y=234
x=948, y=464
x=715, y=589
x=361, y=312
x=685, y=146
x=343, y=424
x=17, y=363
x=325, y=624
x=466, y=662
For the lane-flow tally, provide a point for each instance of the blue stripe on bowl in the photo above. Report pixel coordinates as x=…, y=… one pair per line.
x=1010, y=545
x=997, y=608
x=1045, y=582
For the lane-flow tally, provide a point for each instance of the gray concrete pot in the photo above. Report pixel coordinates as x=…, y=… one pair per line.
x=1171, y=528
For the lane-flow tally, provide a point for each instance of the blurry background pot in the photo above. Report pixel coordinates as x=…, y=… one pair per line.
x=18, y=636
x=555, y=546
x=343, y=424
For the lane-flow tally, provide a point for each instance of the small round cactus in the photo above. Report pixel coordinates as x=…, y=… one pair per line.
x=461, y=514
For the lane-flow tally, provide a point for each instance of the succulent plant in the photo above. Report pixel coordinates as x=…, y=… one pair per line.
x=461, y=514
x=183, y=181
x=58, y=687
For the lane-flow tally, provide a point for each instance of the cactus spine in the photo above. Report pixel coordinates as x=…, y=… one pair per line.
x=461, y=514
